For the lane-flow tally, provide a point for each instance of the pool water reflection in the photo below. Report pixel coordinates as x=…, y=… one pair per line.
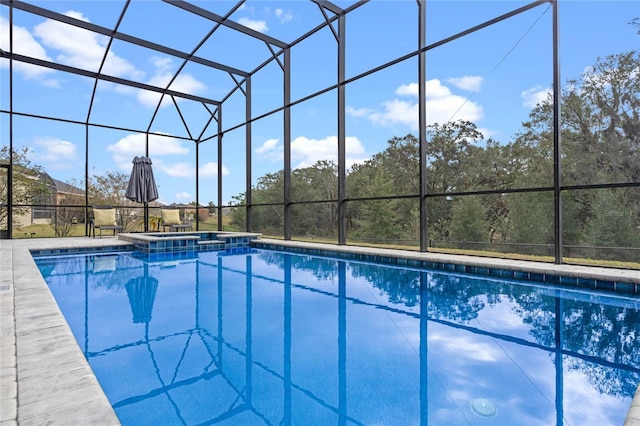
x=265, y=337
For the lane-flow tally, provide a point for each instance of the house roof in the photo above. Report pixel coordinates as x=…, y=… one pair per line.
x=67, y=188
x=60, y=186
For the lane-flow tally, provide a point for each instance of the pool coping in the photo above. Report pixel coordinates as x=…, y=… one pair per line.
x=590, y=277
x=46, y=378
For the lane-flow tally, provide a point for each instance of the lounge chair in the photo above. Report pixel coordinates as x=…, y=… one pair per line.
x=104, y=217
x=171, y=218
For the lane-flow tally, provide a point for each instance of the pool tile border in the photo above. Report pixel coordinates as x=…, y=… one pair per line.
x=82, y=250
x=601, y=279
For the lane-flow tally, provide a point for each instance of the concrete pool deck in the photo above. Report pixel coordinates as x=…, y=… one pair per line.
x=45, y=378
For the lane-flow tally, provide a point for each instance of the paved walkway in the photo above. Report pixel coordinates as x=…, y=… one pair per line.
x=45, y=378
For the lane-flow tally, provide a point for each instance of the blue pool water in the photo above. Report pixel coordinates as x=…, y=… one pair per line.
x=265, y=337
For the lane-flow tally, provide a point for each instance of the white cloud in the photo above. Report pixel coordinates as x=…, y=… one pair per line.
x=23, y=44
x=397, y=111
x=53, y=84
x=256, y=25
x=87, y=54
x=183, y=196
x=211, y=169
x=54, y=153
x=187, y=170
x=162, y=63
x=535, y=95
x=410, y=89
x=468, y=82
x=134, y=145
x=268, y=145
x=358, y=112
x=441, y=104
x=486, y=133
x=183, y=83
x=178, y=169
x=164, y=72
x=283, y=16
x=305, y=151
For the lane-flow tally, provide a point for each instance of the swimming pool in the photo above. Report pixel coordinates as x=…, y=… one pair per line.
x=268, y=337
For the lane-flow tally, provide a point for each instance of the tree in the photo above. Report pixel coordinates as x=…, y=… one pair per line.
x=612, y=224
x=448, y=155
x=469, y=220
x=394, y=171
x=27, y=184
x=601, y=123
x=268, y=219
x=378, y=220
x=239, y=214
x=316, y=183
x=110, y=189
x=66, y=218
x=600, y=145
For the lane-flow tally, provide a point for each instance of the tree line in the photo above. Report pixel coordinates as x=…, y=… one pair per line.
x=600, y=142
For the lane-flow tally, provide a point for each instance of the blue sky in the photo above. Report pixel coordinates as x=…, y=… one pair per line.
x=492, y=77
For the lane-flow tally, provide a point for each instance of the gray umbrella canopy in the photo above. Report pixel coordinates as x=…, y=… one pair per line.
x=142, y=185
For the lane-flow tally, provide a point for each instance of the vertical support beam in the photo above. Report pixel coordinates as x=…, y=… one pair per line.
x=557, y=125
x=422, y=123
x=342, y=185
x=248, y=155
x=219, y=171
x=86, y=180
x=146, y=205
x=10, y=168
x=197, y=189
x=220, y=138
x=287, y=143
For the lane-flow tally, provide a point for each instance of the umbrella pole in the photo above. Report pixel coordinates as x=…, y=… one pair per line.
x=146, y=217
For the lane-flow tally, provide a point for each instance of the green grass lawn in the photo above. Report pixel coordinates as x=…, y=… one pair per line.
x=47, y=231
x=499, y=255
x=211, y=224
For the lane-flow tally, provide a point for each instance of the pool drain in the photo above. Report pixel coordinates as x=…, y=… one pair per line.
x=483, y=407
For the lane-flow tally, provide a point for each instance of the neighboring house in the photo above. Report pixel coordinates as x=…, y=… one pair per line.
x=56, y=193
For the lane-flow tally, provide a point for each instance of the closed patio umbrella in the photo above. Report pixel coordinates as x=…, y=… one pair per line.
x=142, y=185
